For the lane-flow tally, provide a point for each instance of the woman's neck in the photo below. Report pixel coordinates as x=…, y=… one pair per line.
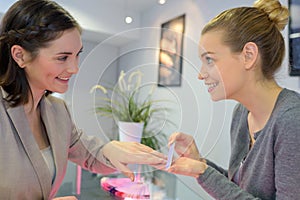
x=32, y=105
x=33, y=114
x=261, y=104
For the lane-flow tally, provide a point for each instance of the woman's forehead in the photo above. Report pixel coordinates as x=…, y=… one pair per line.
x=209, y=42
x=68, y=41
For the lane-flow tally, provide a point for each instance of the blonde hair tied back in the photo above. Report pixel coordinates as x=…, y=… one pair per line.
x=277, y=13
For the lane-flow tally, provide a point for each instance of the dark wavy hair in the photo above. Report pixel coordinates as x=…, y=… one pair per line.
x=32, y=24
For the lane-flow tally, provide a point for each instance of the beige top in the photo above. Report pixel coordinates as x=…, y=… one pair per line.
x=48, y=157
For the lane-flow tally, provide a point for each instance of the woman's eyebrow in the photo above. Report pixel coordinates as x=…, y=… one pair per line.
x=206, y=53
x=69, y=53
x=65, y=52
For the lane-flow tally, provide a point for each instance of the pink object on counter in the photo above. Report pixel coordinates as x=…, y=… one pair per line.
x=125, y=188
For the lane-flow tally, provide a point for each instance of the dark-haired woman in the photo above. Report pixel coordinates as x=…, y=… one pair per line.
x=40, y=45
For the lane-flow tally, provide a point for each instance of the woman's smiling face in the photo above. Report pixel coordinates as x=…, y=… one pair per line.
x=55, y=64
x=221, y=70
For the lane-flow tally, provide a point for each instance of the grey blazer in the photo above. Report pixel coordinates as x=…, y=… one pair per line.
x=24, y=173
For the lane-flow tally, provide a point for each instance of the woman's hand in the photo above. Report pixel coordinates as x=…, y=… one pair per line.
x=188, y=167
x=122, y=153
x=189, y=162
x=185, y=146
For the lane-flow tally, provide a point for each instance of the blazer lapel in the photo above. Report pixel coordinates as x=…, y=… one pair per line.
x=20, y=122
x=54, y=131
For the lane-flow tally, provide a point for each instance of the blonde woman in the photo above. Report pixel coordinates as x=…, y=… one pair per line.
x=241, y=49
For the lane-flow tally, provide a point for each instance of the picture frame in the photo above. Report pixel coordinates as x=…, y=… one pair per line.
x=294, y=38
x=171, y=52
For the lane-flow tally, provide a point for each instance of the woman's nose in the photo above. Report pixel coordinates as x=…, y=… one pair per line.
x=73, y=68
x=202, y=74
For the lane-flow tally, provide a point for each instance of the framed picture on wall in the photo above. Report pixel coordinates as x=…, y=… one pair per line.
x=294, y=37
x=171, y=52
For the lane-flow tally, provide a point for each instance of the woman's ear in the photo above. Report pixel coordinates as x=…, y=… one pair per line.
x=19, y=55
x=250, y=53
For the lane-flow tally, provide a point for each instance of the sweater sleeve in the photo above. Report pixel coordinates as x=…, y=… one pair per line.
x=287, y=155
x=218, y=168
x=220, y=187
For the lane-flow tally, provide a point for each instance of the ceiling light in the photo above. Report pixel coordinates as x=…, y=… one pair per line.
x=162, y=1
x=128, y=19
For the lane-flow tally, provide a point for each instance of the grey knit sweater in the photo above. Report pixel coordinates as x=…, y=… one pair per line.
x=271, y=168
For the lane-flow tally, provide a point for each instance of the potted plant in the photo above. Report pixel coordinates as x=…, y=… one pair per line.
x=130, y=101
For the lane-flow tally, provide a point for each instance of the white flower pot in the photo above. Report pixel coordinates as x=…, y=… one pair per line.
x=130, y=131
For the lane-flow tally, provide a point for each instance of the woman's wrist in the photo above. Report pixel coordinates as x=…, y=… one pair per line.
x=200, y=169
x=106, y=160
x=203, y=168
x=202, y=160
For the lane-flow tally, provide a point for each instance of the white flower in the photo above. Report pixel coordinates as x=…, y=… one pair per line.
x=138, y=74
x=103, y=89
x=152, y=89
x=121, y=81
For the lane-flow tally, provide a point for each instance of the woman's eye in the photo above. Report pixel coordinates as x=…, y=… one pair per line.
x=209, y=60
x=64, y=58
x=79, y=53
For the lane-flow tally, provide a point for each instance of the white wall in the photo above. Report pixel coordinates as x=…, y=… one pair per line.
x=105, y=17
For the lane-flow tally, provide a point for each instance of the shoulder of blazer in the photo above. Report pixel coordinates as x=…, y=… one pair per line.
x=53, y=102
